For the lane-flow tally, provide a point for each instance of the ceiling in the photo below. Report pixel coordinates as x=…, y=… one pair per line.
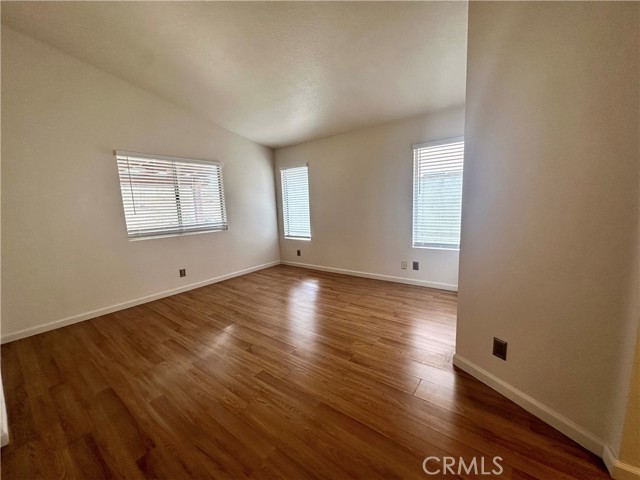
x=278, y=73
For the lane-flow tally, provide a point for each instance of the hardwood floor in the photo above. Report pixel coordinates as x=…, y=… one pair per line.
x=283, y=373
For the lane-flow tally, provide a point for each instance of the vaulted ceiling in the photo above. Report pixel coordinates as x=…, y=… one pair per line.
x=277, y=73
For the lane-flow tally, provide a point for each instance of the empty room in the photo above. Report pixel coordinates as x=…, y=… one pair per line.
x=320, y=240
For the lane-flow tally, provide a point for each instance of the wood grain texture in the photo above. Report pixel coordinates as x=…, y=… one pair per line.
x=284, y=373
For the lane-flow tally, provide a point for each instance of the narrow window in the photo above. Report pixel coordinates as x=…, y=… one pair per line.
x=437, y=193
x=295, y=202
x=167, y=195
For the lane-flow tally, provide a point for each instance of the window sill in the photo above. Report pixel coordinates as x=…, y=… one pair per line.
x=169, y=235
x=304, y=239
x=453, y=249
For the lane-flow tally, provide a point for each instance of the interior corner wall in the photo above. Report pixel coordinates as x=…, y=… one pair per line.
x=360, y=189
x=629, y=455
x=4, y=428
x=550, y=207
x=65, y=251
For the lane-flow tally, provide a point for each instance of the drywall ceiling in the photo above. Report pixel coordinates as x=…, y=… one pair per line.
x=277, y=73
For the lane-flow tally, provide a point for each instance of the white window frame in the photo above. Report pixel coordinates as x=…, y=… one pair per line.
x=431, y=245
x=129, y=197
x=285, y=204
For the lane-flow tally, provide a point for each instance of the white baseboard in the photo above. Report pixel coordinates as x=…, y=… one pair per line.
x=4, y=428
x=571, y=429
x=618, y=469
x=624, y=471
x=376, y=276
x=27, y=332
x=609, y=459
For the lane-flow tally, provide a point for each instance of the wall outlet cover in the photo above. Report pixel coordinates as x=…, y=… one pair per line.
x=500, y=348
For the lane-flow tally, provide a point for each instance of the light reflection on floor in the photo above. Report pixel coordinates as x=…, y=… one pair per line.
x=302, y=319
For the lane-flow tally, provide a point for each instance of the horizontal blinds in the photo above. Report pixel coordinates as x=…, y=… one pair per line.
x=437, y=193
x=164, y=196
x=295, y=202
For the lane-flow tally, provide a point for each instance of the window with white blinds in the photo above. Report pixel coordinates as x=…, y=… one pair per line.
x=167, y=195
x=437, y=193
x=295, y=202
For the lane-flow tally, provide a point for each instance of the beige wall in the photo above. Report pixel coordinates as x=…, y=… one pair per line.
x=550, y=204
x=360, y=187
x=64, y=245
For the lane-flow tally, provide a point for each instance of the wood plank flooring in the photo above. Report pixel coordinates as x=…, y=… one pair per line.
x=284, y=373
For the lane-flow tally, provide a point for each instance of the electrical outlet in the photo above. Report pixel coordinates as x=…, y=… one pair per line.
x=183, y=272
x=403, y=264
x=416, y=265
x=500, y=348
x=299, y=253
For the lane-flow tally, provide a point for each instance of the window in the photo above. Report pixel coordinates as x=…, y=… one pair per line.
x=437, y=193
x=167, y=196
x=295, y=202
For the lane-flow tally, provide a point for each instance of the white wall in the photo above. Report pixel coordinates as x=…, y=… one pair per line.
x=65, y=247
x=360, y=187
x=550, y=206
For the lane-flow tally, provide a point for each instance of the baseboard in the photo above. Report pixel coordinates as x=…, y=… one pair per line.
x=624, y=471
x=571, y=429
x=609, y=459
x=27, y=332
x=619, y=470
x=375, y=276
x=4, y=428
